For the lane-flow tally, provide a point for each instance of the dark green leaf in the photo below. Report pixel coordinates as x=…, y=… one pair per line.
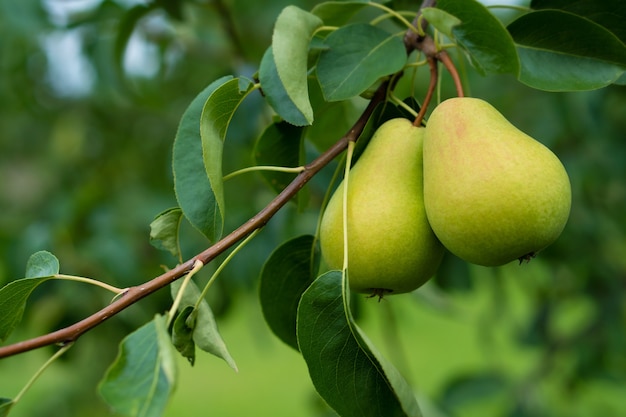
x=469, y=389
x=275, y=92
x=126, y=27
x=611, y=14
x=143, y=376
x=5, y=406
x=279, y=145
x=482, y=35
x=287, y=273
x=337, y=13
x=182, y=335
x=164, y=231
x=216, y=116
x=346, y=371
x=205, y=333
x=560, y=51
x=193, y=189
x=40, y=267
x=356, y=57
x=290, y=46
x=42, y=264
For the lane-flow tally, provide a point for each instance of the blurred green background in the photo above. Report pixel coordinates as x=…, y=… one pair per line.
x=85, y=165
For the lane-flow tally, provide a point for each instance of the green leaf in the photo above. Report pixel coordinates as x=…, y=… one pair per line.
x=560, y=51
x=6, y=404
x=182, y=335
x=293, y=31
x=42, y=264
x=40, y=267
x=343, y=365
x=287, y=273
x=143, y=376
x=205, y=333
x=611, y=14
x=356, y=57
x=442, y=21
x=275, y=92
x=337, y=13
x=193, y=189
x=127, y=25
x=279, y=145
x=216, y=116
x=164, y=231
x=483, y=36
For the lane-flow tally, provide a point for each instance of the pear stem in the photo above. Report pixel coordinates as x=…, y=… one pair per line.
x=447, y=62
x=434, y=75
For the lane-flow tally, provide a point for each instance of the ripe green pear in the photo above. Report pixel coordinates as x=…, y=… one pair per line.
x=492, y=193
x=391, y=247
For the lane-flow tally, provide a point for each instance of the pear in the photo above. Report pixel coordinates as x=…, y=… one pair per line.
x=391, y=247
x=492, y=193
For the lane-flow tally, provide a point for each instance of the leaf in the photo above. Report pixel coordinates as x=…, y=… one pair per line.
x=6, y=404
x=337, y=13
x=216, y=116
x=482, y=35
x=442, y=21
x=611, y=14
x=286, y=274
x=143, y=376
x=292, y=34
x=164, y=231
x=191, y=185
x=40, y=267
x=182, y=335
x=205, y=333
x=275, y=92
x=560, y=51
x=466, y=390
x=279, y=145
x=42, y=264
x=356, y=57
x=127, y=25
x=342, y=364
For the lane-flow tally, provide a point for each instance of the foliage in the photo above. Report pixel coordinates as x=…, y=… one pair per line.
x=230, y=88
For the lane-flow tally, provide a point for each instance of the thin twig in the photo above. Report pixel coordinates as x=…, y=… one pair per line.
x=447, y=62
x=434, y=75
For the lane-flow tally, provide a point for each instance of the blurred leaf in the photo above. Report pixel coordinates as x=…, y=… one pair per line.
x=356, y=57
x=453, y=274
x=337, y=13
x=290, y=46
x=465, y=390
x=164, y=231
x=40, y=267
x=560, y=51
x=279, y=145
x=608, y=13
x=287, y=273
x=216, y=116
x=442, y=21
x=343, y=366
x=42, y=264
x=275, y=92
x=5, y=406
x=482, y=35
x=125, y=30
x=205, y=332
x=193, y=189
x=143, y=376
x=182, y=335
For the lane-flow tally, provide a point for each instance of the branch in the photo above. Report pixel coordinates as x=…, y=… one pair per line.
x=134, y=294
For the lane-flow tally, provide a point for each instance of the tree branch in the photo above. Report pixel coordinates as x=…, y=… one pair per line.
x=134, y=294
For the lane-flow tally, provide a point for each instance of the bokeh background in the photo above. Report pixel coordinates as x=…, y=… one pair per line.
x=86, y=132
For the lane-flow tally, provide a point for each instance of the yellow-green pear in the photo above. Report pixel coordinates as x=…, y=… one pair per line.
x=492, y=193
x=391, y=247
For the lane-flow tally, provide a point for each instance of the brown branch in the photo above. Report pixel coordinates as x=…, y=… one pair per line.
x=134, y=294
x=447, y=62
x=434, y=74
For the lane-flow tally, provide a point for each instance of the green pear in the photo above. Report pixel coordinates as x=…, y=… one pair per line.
x=492, y=193
x=391, y=247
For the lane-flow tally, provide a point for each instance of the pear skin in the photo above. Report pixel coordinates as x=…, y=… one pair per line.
x=492, y=193
x=391, y=247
